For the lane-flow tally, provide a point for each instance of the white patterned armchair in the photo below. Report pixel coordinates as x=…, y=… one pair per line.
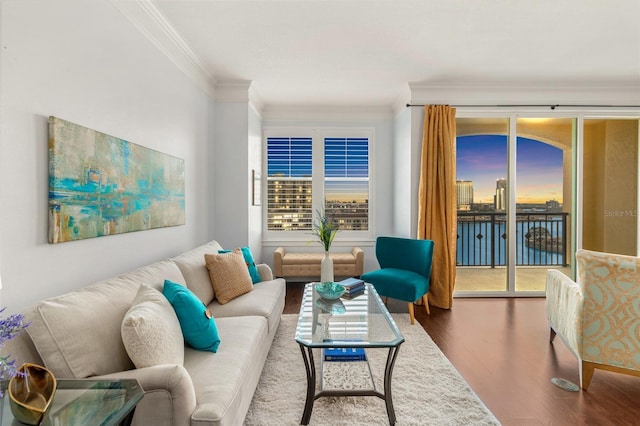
x=598, y=318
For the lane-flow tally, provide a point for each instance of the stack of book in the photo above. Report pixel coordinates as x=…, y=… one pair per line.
x=353, y=287
x=344, y=354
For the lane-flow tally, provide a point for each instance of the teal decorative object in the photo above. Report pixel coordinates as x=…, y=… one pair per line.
x=330, y=290
x=405, y=270
x=331, y=306
x=198, y=325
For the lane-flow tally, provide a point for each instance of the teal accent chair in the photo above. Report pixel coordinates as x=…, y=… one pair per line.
x=405, y=270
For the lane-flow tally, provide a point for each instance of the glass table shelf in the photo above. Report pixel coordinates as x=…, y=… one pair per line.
x=362, y=321
x=85, y=402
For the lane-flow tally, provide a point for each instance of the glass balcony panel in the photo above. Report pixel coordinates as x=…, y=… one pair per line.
x=481, y=166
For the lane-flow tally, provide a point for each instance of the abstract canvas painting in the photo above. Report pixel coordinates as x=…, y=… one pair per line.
x=101, y=185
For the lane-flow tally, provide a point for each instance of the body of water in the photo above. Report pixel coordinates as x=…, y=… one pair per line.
x=475, y=246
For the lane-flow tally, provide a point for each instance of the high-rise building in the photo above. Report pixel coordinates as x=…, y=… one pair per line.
x=290, y=207
x=464, y=194
x=500, y=199
x=553, y=206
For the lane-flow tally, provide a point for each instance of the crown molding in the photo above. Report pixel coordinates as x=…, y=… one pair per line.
x=255, y=101
x=233, y=90
x=146, y=17
x=239, y=91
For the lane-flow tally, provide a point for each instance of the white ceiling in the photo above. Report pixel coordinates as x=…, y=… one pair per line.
x=365, y=52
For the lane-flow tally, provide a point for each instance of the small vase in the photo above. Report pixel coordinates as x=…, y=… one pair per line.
x=326, y=268
x=31, y=393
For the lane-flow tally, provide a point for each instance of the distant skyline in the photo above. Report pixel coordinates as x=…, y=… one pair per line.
x=483, y=160
x=346, y=191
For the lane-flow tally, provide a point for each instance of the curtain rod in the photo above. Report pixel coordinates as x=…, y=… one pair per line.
x=534, y=105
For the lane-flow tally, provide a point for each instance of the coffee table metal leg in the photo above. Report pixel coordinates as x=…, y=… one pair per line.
x=307, y=356
x=129, y=418
x=388, y=370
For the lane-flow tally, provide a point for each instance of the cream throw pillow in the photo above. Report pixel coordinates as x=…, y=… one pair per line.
x=150, y=330
x=229, y=275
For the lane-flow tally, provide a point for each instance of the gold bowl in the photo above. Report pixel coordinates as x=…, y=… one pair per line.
x=31, y=393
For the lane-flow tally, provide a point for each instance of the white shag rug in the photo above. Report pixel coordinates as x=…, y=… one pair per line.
x=426, y=387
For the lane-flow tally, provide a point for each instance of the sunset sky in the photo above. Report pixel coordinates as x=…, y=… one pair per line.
x=483, y=159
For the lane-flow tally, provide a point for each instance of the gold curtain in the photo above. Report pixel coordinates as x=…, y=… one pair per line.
x=437, y=214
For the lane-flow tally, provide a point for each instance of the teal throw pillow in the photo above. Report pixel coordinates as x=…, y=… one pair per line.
x=197, y=324
x=251, y=264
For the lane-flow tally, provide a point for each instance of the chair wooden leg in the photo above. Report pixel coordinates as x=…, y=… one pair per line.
x=411, y=312
x=587, y=368
x=587, y=374
x=425, y=301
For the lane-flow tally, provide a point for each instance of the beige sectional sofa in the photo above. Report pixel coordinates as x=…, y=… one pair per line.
x=78, y=335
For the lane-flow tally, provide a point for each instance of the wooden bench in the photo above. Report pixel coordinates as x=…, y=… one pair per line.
x=287, y=264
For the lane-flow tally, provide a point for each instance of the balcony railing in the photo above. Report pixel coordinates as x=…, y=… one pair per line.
x=541, y=239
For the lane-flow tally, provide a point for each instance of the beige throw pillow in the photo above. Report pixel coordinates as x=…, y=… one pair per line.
x=150, y=330
x=229, y=275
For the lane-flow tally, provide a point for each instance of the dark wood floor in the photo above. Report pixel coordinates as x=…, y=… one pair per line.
x=501, y=347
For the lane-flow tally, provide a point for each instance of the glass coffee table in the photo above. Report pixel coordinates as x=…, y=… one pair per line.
x=357, y=322
x=85, y=402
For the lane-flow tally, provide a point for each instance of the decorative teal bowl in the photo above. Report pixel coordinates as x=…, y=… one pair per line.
x=330, y=290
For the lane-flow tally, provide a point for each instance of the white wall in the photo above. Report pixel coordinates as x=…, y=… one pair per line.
x=85, y=62
x=402, y=174
x=238, y=147
x=415, y=149
x=255, y=163
x=232, y=174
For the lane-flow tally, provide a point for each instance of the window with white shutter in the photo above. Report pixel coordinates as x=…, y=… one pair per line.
x=346, y=182
x=289, y=184
x=318, y=169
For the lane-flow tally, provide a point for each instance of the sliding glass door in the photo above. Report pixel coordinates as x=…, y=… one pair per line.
x=482, y=187
x=515, y=189
x=544, y=191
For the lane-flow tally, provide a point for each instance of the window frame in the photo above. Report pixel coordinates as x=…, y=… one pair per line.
x=318, y=135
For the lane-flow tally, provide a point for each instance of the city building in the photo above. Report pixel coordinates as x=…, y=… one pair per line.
x=294, y=211
x=500, y=199
x=464, y=194
x=553, y=206
x=350, y=216
x=293, y=196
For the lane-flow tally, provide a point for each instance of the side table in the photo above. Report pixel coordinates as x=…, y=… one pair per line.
x=86, y=402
